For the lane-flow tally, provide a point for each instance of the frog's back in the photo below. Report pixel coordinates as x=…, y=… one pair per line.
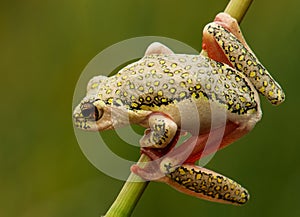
x=157, y=81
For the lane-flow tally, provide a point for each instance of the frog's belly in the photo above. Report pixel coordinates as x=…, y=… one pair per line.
x=196, y=115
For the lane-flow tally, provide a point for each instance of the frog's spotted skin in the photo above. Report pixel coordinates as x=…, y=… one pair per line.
x=158, y=80
x=246, y=62
x=210, y=184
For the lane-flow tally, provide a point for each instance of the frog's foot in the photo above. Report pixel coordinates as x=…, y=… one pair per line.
x=203, y=183
x=149, y=172
x=162, y=131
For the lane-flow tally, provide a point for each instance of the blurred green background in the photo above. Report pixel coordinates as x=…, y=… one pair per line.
x=45, y=45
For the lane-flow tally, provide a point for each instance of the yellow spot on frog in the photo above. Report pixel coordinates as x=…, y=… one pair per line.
x=172, y=90
x=150, y=64
x=262, y=89
x=182, y=94
x=227, y=196
x=141, y=88
x=186, y=181
x=185, y=74
x=153, y=71
x=271, y=93
x=198, y=87
x=160, y=93
x=265, y=83
x=261, y=71
x=242, y=99
x=162, y=62
x=118, y=101
x=239, y=66
x=188, y=67
x=182, y=84
x=174, y=65
x=198, y=176
x=134, y=105
x=182, y=60
x=156, y=83
x=217, y=188
x=241, y=57
x=94, y=85
x=150, y=90
x=245, y=89
x=110, y=100
x=164, y=100
x=252, y=74
x=181, y=171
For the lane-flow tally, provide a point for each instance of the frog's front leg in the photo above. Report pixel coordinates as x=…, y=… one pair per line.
x=162, y=130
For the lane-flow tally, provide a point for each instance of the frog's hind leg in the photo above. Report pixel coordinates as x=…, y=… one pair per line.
x=232, y=45
x=199, y=146
x=206, y=184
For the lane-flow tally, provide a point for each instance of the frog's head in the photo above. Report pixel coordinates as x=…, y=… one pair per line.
x=92, y=113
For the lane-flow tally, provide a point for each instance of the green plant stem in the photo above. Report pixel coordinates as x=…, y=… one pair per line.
x=238, y=8
x=134, y=187
x=129, y=195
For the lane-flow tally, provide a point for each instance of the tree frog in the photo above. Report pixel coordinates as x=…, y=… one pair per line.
x=163, y=89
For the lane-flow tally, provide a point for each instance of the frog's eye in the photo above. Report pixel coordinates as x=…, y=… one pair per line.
x=88, y=110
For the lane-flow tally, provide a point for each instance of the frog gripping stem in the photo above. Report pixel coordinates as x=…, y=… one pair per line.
x=242, y=59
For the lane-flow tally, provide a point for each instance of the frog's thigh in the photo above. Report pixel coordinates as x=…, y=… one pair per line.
x=206, y=184
x=162, y=131
x=204, y=146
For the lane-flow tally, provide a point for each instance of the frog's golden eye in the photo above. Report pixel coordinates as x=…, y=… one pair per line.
x=88, y=110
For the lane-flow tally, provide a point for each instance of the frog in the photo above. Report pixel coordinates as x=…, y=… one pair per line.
x=169, y=94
